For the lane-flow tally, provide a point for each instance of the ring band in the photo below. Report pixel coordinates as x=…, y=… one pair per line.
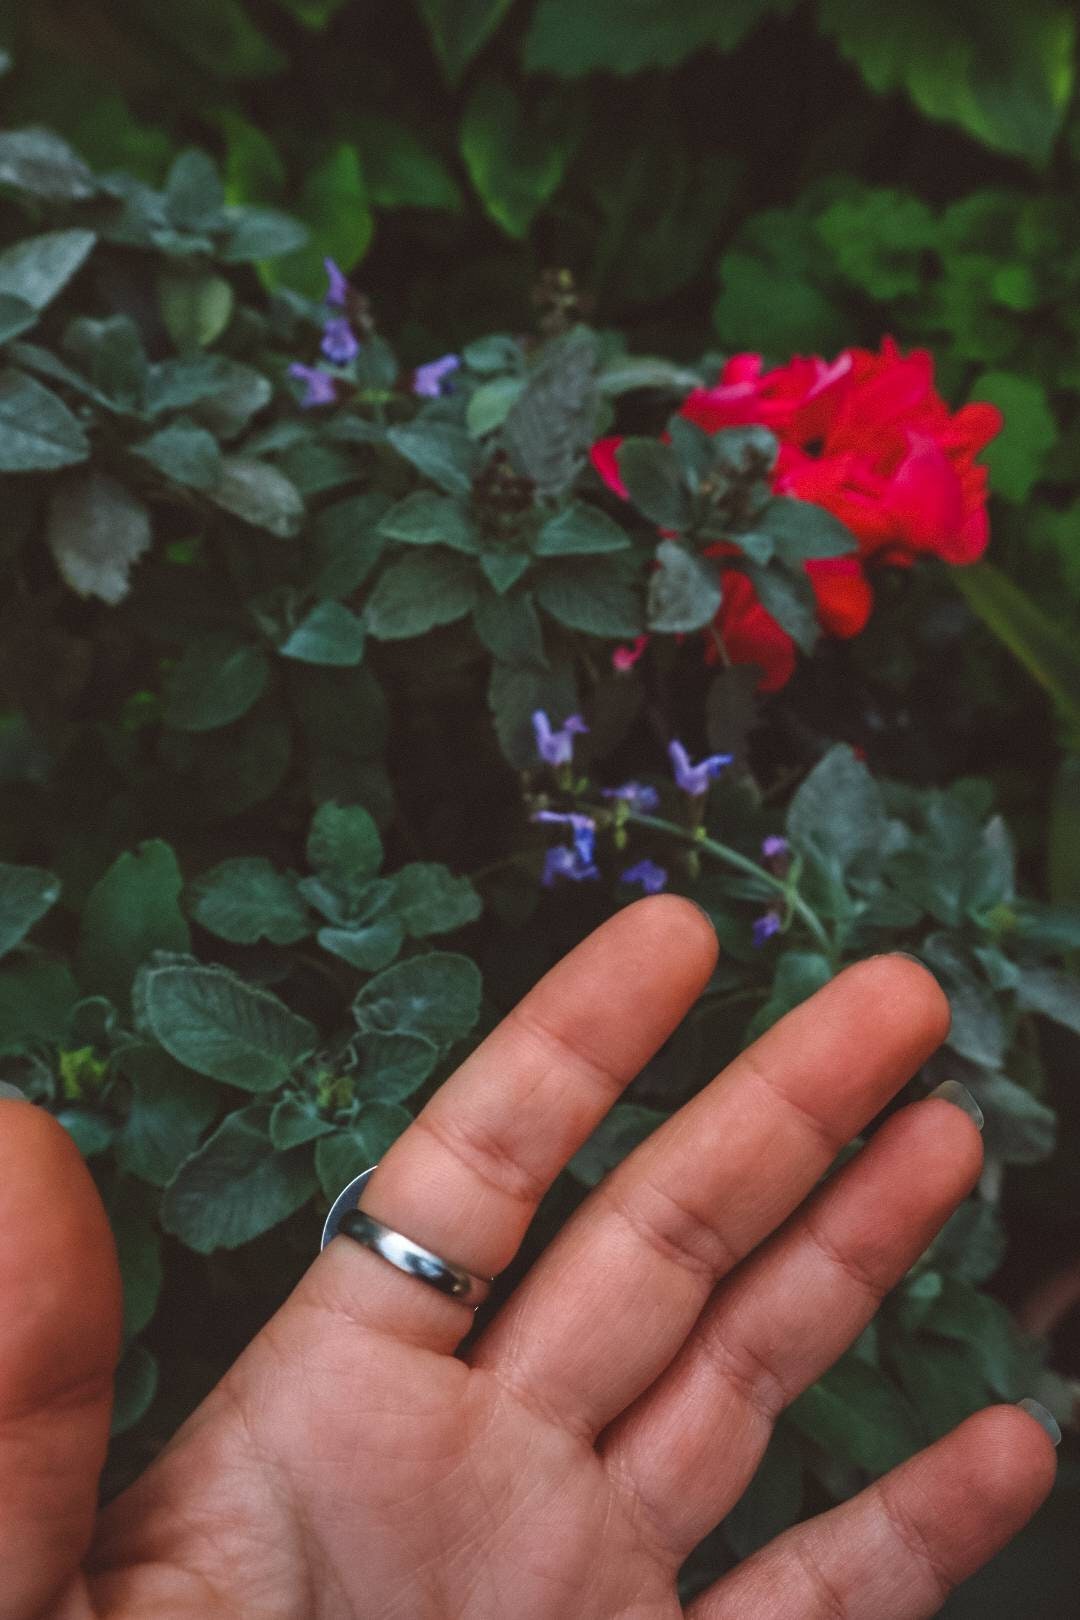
x=399, y=1250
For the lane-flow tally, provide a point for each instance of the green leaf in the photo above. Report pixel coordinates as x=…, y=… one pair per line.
x=194, y=195
x=26, y=894
x=516, y=157
x=426, y=519
x=1048, y=652
x=170, y=1109
x=509, y=627
x=334, y=204
x=37, y=269
x=625, y=36
x=96, y=530
x=773, y=1499
x=459, y=29
x=38, y=161
x=878, y=239
x=37, y=431
x=837, y=813
x=262, y=233
x=134, y=1388
x=857, y=1414
x=341, y=1157
x=185, y=453
x=1003, y=73
x=437, y=996
x=295, y=1120
x=16, y=316
x=654, y=481
x=971, y=1244
x=503, y=569
x=220, y=1026
x=216, y=680
x=429, y=899
x=235, y=1187
x=368, y=945
x=551, y=424
x=401, y=169
x=491, y=404
x=394, y=1066
x=516, y=691
x=789, y=597
x=37, y=998
x=621, y=1130
x=416, y=592
x=196, y=309
x=1018, y=1128
x=802, y=531
x=344, y=844
x=132, y=910
x=798, y=975
x=1016, y=457
x=684, y=592
x=329, y=634
x=262, y=496
x=440, y=451
x=138, y=1247
x=247, y=899
x=1052, y=993
x=580, y=530
x=1004, y=1357
x=593, y=596
x=347, y=543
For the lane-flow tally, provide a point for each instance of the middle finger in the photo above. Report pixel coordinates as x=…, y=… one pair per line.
x=610, y=1302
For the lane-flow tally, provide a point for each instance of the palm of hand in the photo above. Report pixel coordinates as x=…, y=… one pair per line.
x=351, y=1467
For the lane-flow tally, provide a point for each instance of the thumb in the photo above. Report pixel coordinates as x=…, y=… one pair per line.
x=60, y=1316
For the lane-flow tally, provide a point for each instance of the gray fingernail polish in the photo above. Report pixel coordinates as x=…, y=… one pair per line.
x=11, y=1091
x=909, y=956
x=951, y=1091
x=1046, y=1420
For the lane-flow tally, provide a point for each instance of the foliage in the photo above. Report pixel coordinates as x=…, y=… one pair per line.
x=268, y=673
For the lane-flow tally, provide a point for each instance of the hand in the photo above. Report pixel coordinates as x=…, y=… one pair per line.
x=350, y=1465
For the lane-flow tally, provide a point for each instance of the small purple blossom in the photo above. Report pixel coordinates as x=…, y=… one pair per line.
x=775, y=847
x=638, y=795
x=556, y=747
x=583, y=828
x=652, y=878
x=428, y=380
x=560, y=861
x=694, y=779
x=337, y=290
x=765, y=927
x=320, y=387
x=339, y=341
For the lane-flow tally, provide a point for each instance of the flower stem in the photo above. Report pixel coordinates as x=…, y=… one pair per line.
x=743, y=863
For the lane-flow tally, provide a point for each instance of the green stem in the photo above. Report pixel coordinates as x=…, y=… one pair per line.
x=743, y=863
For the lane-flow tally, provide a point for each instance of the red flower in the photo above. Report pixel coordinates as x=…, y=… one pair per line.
x=869, y=438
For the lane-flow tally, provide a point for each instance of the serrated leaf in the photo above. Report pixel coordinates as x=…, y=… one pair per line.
x=801, y=531
x=341, y=1157
x=416, y=592
x=247, y=899
x=429, y=899
x=509, y=627
x=593, y=596
x=329, y=634
x=344, y=843
x=170, y=1109
x=437, y=996
x=654, y=481
x=295, y=1120
x=364, y=945
x=220, y=1026
x=132, y=910
x=37, y=269
x=185, y=453
x=426, y=519
x=440, y=451
x=236, y=1186
x=789, y=597
x=683, y=592
x=503, y=569
x=262, y=233
x=26, y=894
x=37, y=431
x=96, y=530
x=837, y=813
x=580, y=530
x=551, y=424
x=216, y=680
x=258, y=493
x=393, y=1066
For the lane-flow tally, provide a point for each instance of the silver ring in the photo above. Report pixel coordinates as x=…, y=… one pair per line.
x=401, y=1251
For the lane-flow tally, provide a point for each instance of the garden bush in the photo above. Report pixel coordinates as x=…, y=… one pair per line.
x=385, y=602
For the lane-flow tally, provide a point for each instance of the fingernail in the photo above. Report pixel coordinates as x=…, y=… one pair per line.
x=1046, y=1420
x=11, y=1091
x=699, y=907
x=909, y=956
x=951, y=1091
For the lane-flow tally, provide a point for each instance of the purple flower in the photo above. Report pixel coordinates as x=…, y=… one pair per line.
x=428, y=380
x=583, y=827
x=765, y=927
x=694, y=779
x=636, y=794
x=320, y=388
x=567, y=863
x=775, y=847
x=556, y=747
x=652, y=878
x=337, y=290
x=339, y=342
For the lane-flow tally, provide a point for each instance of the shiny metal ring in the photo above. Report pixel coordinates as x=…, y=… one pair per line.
x=399, y=1250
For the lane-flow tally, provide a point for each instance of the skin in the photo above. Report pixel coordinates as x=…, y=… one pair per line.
x=351, y=1465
